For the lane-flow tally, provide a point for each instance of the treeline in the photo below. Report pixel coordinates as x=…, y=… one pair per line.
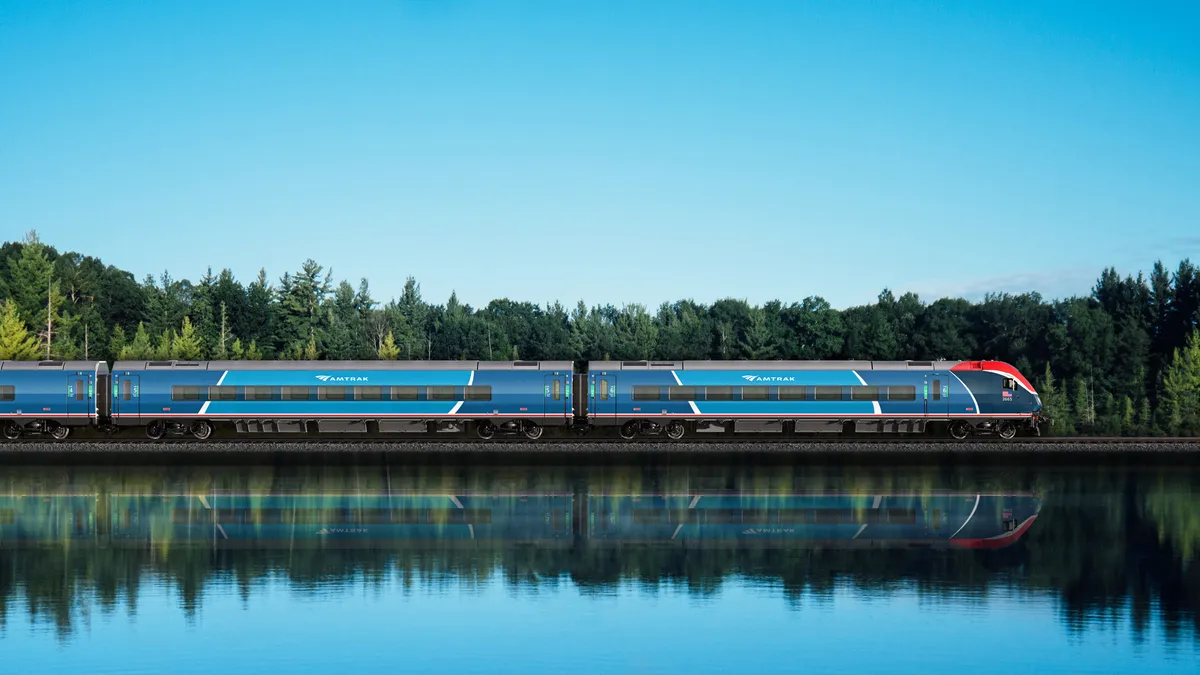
x=1123, y=360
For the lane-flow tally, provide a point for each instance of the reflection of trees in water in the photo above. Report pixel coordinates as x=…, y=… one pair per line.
x=1111, y=545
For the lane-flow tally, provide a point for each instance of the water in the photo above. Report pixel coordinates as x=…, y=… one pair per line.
x=642, y=566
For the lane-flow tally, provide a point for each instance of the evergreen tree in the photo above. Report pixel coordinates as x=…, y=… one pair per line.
x=1181, y=387
x=388, y=351
x=116, y=344
x=16, y=344
x=186, y=345
x=237, y=352
x=253, y=353
x=141, y=348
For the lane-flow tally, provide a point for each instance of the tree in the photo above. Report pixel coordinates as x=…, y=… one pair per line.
x=15, y=342
x=186, y=345
x=1181, y=387
x=388, y=351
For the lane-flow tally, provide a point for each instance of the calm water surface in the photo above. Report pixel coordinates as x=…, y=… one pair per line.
x=658, y=566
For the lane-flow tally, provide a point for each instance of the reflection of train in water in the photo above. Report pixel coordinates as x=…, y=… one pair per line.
x=841, y=520
x=552, y=519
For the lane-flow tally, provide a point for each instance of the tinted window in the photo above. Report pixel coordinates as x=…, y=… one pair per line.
x=603, y=390
x=902, y=393
x=294, y=393
x=754, y=393
x=718, y=393
x=258, y=393
x=440, y=394
x=556, y=389
x=125, y=390
x=681, y=393
x=1009, y=383
x=368, y=393
x=402, y=393
x=790, y=393
x=7, y=392
x=828, y=393
x=222, y=393
x=331, y=393
x=185, y=393
x=79, y=385
x=937, y=390
x=644, y=393
x=478, y=393
x=864, y=393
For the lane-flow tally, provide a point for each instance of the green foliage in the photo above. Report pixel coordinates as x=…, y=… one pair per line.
x=1107, y=361
x=15, y=342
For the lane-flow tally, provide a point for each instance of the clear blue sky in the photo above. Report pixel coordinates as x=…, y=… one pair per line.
x=684, y=149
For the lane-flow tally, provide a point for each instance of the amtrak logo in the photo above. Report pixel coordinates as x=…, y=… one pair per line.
x=342, y=530
x=758, y=378
x=770, y=530
x=331, y=378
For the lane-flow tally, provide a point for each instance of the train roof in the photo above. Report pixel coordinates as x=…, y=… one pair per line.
x=771, y=365
x=98, y=366
x=343, y=365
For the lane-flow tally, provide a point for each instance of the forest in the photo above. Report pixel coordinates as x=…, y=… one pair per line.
x=1123, y=360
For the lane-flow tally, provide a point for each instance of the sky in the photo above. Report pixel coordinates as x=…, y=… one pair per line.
x=614, y=151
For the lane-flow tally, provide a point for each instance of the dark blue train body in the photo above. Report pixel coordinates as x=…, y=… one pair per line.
x=51, y=397
x=523, y=398
x=343, y=396
x=809, y=396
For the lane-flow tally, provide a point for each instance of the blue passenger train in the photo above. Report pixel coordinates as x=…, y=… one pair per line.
x=518, y=398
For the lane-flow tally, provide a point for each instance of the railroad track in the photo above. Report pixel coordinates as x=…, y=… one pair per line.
x=324, y=444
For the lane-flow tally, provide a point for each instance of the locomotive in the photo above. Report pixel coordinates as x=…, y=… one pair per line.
x=521, y=399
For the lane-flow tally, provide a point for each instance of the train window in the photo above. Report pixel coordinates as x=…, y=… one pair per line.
x=902, y=393
x=902, y=516
x=402, y=393
x=937, y=390
x=440, y=393
x=478, y=393
x=222, y=393
x=8, y=516
x=864, y=393
x=754, y=393
x=8, y=392
x=603, y=390
x=556, y=389
x=645, y=393
x=368, y=393
x=79, y=390
x=257, y=393
x=937, y=519
x=790, y=393
x=331, y=393
x=718, y=393
x=681, y=393
x=125, y=390
x=185, y=393
x=295, y=393
x=1009, y=383
x=828, y=393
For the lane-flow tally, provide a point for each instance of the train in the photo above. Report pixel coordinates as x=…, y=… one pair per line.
x=554, y=519
x=670, y=400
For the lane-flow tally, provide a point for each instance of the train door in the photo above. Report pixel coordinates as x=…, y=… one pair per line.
x=604, y=397
x=125, y=397
x=79, y=395
x=937, y=395
x=556, y=399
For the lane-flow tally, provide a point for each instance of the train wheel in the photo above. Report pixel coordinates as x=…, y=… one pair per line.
x=1007, y=430
x=59, y=432
x=485, y=430
x=12, y=430
x=156, y=429
x=532, y=431
x=675, y=430
x=201, y=430
x=629, y=430
x=959, y=429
